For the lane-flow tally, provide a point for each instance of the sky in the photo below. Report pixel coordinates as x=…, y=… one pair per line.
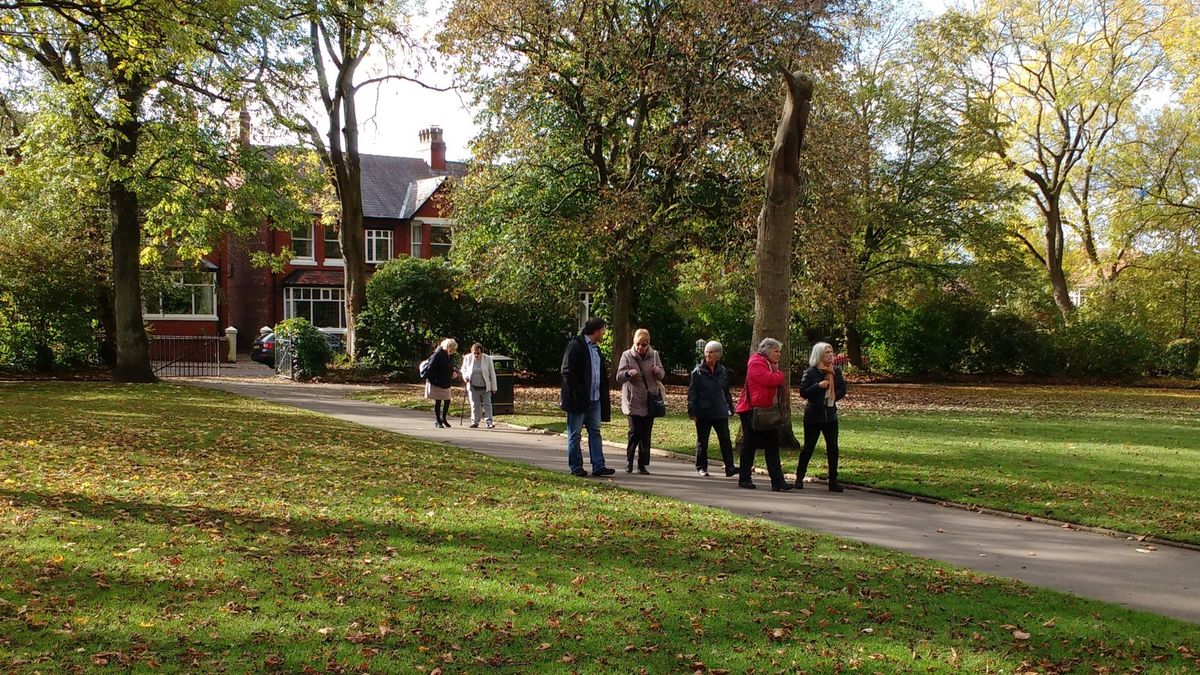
x=393, y=113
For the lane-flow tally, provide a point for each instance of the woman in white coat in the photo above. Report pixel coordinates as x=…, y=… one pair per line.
x=479, y=375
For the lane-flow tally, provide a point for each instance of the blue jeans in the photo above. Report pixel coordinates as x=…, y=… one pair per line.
x=575, y=424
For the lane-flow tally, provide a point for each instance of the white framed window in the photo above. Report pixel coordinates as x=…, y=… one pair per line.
x=180, y=295
x=379, y=246
x=333, y=247
x=439, y=240
x=587, y=300
x=302, y=244
x=416, y=249
x=324, y=307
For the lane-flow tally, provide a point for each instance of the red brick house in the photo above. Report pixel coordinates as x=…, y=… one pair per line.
x=405, y=213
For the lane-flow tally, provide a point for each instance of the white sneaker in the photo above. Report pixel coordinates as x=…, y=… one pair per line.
x=702, y=472
x=491, y=425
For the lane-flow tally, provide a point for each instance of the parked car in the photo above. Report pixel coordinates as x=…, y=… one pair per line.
x=263, y=350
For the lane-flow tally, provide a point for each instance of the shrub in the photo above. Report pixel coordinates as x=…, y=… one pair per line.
x=412, y=303
x=310, y=346
x=931, y=338
x=1102, y=346
x=1007, y=343
x=48, y=308
x=532, y=333
x=1180, y=358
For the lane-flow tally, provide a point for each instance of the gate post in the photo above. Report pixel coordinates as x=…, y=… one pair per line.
x=231, y=335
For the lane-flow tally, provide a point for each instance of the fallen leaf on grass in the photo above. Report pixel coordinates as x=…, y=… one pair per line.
x=1020, y=635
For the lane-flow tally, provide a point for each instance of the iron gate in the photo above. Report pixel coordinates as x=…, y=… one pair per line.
x=187, y=355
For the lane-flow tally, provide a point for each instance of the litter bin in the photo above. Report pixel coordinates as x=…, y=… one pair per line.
x=502, y=400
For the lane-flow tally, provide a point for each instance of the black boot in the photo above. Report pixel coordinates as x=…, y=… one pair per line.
x=834, y=485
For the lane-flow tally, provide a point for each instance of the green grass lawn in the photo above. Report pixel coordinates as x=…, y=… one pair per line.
x=1115, y=457
x=158, y=527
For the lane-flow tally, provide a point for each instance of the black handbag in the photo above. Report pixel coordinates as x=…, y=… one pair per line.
x=656, y=405
x=768, y=419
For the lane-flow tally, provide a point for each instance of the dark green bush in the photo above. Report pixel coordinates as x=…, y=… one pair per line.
x=48, y=303
x=929, y=339
x=1004, y=342
x=1180, y=358
x=412, y=303
x=309, y=345
x=1103, y=346
x=532, y=333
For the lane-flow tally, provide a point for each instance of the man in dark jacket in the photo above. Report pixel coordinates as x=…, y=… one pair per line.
x=585, y=397
x=709, y=406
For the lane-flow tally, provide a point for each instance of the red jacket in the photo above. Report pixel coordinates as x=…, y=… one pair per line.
x=762, y=381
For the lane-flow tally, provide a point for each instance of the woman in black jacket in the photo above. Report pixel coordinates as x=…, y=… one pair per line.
x=822, y=387
x=439, y=378
x=709, y=406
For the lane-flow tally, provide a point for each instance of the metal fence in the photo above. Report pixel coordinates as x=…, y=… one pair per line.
x=285, y=358
x=187, y=355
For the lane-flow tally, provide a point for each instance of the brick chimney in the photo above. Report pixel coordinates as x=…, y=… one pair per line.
x=437, y=147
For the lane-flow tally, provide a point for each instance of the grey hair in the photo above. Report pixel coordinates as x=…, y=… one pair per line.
x=768, y=344
x=714, y=346
x=449, y=343
x=818, y=351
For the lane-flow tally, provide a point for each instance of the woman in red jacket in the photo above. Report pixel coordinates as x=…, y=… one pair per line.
x=764, y=381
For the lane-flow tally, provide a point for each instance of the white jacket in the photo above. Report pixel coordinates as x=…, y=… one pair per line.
x=486, y=367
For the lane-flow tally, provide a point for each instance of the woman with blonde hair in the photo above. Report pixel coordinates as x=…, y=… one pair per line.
x=439, y=378
x=640, y=373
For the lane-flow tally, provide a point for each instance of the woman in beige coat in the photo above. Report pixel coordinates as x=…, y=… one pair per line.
x=640, y=373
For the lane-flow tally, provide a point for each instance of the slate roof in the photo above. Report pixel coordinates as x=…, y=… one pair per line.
x=395, y=187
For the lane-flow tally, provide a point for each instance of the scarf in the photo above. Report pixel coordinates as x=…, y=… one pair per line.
x=830, y=392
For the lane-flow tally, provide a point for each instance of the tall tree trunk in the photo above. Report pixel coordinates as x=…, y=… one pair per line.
x=133, y=349
x=1055, y=246
x=854, y=352
x=352, y=235
x=776, y=225
x=622, y=316
x=850, y=317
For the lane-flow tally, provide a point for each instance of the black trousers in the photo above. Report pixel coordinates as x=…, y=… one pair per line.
x=703, y=428
x=639, y=439
x=769, y=442
x=812, y=432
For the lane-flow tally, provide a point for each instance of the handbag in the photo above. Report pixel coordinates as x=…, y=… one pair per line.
x=767, y=419
x=656, y=405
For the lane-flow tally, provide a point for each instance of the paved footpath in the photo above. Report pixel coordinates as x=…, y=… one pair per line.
x=1164, y=580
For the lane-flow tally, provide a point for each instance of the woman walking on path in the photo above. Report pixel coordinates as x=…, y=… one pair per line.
x=639, y=373
x=764, y=383
x=439, y=378
x=709, y=406
x=479, y=376
x=822, y=387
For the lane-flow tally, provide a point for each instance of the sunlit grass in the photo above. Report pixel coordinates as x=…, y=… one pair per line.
x=1121, y=458
x=209, y=532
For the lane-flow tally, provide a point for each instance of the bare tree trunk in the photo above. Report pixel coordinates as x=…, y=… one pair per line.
x=622, y=313
x=776, y=225
x=133, y=349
